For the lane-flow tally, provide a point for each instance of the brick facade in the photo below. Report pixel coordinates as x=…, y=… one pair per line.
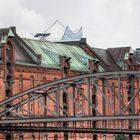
x=15, y=78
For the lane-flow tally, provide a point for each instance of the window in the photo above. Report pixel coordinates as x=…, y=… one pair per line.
x=21, y=137
x=81, y=91
x=32, y=137
x=8, y=137
x=64, y=98
x=8, y=52
x=83, y=59
x=64, y=113
x=32, y=81
x=101, y=69
x=20, y=83
x=8, y=93
x=55, y=137
x=122, y=65
x=95, y=137
x=65, y=137
x=31, y=107
x=45, y=137
x=9, y=79
x=9, y=67
x=8, y=113
x=44, y=80
x=104, y=137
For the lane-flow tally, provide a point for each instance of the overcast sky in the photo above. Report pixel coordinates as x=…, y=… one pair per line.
x=106, y=23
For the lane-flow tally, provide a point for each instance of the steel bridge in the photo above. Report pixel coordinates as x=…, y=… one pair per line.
x=107, y=103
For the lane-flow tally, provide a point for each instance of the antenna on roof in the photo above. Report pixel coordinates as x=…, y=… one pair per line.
x=42, y=35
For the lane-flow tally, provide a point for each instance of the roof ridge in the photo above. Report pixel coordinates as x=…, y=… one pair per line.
x=98, y=56
x=26, y=45
x=99, y=48
x=119, y=47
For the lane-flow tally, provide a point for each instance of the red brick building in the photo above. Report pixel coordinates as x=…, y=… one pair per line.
x=25, y=63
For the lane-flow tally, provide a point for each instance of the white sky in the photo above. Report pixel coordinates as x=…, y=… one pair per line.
x=106, y=23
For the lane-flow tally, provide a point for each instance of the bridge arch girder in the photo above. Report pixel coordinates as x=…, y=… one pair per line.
x=85, y=96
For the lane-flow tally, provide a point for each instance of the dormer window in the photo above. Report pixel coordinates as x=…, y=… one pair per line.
x=100, y=68
x=122, y=65
x=84, y=60
x=52, y=55
x=8, y=54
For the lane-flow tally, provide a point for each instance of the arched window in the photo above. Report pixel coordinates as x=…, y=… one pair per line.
x=65, y=98
x=32, y=81
x=8, y=106
x=104, y=137
x=32, y=137
x=8, y=93
x=45, y=137
x=21, y=137
x=8, y=137
x=95, y=137
x=20, y=83
x=9, y=80
x=55, y=137
x=8, y=54
x=44, y=79
x=65, y=137
x=9, y=67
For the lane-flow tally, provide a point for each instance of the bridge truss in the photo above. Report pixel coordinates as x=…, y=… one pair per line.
x=107, y=103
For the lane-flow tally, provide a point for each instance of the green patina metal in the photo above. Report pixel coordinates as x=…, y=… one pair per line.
x=25, y=64
x=46, y=60
x=50, y=53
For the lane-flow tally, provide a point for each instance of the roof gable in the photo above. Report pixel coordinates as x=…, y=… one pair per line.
x=118, y=54
x=105, y=56
x=21, y=55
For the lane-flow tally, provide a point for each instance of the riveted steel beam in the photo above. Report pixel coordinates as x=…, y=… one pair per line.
x=75, y=130
x=69, y=119
x=106, y=74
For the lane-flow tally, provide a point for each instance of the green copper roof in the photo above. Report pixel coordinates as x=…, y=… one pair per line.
x=51, y=51
x=25, y=63
x=46, y=60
